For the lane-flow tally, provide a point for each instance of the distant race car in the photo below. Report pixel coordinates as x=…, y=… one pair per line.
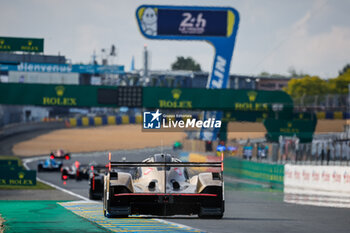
x=164, y=185
x=177, y=146
x=60, y=154
x=76, y=171
x=49, y=165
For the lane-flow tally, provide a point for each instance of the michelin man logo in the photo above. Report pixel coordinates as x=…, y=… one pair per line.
x=149, y=21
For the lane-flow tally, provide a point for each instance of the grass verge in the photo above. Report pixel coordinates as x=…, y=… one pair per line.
x=38, y=185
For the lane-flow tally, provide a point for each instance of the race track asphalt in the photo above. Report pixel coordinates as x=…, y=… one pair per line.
x=247, y=211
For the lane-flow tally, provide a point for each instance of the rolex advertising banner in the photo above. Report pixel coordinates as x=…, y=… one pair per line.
x=22, y=44
x=13, y=163
x=260, y=116
x=303, y=129
x=17, y=177
x=251, y=102
x=56, y=95
x=11, y=173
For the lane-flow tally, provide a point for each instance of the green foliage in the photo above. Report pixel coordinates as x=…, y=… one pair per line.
x=264, y=74
x=183, y=63
x=315, y=86
x=309, y=85
x=267, y=74
x=340, y=84
x=295, y=74
x=345, y=68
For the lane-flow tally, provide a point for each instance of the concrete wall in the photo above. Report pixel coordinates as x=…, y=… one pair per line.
x=14, y=129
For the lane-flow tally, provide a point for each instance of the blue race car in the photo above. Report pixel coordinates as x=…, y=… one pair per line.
x=49, y=165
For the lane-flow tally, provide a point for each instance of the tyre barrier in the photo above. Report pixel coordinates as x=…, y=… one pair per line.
x=105, y=120
x=333, y=115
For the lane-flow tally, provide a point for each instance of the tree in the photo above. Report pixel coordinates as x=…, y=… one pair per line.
x=264, y=74
x=188, y=63
x=307, y=86
x=308, y=90
x=340, y=84
x=345, y=68
x=295, y=74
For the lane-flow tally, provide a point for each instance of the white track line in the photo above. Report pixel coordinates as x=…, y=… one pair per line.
x=25, y=161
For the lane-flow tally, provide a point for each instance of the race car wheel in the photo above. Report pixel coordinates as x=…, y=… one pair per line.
x=40, y=168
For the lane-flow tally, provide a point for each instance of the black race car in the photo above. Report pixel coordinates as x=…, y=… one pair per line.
x=96, y=178
x=76, y=171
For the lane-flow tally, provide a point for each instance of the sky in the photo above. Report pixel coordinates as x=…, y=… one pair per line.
x=310, y=36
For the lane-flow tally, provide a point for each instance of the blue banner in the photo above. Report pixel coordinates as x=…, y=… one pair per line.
x=98, y=69
x=64, y=68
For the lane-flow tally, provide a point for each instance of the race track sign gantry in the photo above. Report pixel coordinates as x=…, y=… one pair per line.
x=216, y=25
x=251, y=102
x=58, y=95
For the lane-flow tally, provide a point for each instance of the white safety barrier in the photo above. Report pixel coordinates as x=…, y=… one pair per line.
x=317, y=185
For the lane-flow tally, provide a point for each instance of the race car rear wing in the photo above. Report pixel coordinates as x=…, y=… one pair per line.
x=166, y=164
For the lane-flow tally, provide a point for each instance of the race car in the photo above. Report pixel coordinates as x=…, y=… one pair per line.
x=76, y=171
x=164, y=185
x=60, y=154
x=177, y=146
x=49, y=165
x=96, y=180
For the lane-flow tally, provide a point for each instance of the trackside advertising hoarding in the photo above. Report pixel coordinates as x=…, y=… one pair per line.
x=321, y=180
x=57, y=95
x=11, y=44
x=64, y=68
x=214, y=99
